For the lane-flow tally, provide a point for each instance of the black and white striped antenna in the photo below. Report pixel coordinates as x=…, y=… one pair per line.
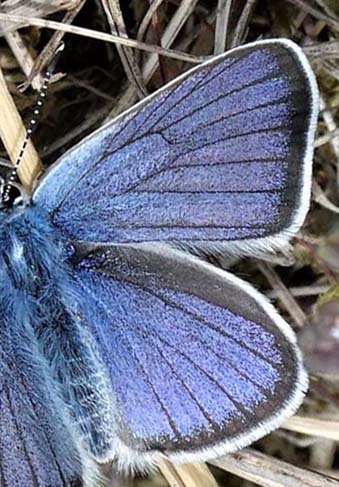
x=32, y=123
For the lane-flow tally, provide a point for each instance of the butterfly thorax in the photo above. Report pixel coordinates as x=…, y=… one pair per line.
x=30, y=250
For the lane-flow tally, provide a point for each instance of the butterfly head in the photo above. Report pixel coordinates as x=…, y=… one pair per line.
x=12, y=194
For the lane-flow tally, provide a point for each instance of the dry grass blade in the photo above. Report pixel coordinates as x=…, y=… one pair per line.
x=23, y=57
x=223, y=15
x=325, y=139
x=102, y=36
x=320, y=197
x=196, y=32
x=324, y=50
x=331, y=68
x=117, y=26
x=285, y=297
x=305, y=6
x=301, y=291
x=322, y=453
x=147, y=18
x=47, y=53
x=36, y=8
x=313, y=427
x=327, y=7
x=266, y=471
x=240, y=29
x=331, y=127
x=190, y=475
x=174, y=26
x=12, y=133
x=178, y=20
x=32, y=68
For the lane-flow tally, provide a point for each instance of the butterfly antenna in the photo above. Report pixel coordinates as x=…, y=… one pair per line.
x=33, y=121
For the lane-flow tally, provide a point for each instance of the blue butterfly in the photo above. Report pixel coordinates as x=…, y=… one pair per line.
x=118, y=342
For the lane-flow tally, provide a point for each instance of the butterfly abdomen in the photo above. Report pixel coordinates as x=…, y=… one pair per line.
x=34, y=268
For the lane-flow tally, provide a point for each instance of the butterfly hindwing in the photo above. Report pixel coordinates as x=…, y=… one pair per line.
x=223, y=153
x=200, y=363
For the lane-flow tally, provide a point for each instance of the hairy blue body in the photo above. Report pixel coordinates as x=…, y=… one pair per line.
x=38, y=285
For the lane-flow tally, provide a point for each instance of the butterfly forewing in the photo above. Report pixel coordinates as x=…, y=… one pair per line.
x=221, y=154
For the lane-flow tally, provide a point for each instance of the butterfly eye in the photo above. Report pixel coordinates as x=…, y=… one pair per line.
x=20, y=201
x=2, y=186
x=17, y=196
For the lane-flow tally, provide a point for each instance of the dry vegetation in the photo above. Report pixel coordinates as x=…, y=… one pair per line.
x=94, y=82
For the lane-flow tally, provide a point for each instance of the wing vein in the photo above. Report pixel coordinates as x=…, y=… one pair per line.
x=133, y=353
x=194, y=398
x=174, y=305
x=225, y=95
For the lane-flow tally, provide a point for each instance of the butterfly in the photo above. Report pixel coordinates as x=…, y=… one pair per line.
x=118, y=342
